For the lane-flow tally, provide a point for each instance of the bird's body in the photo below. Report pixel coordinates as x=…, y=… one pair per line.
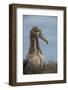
x=35, y=55
x=36, y=59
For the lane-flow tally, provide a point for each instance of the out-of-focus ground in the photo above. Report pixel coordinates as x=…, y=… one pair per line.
x=50, y=67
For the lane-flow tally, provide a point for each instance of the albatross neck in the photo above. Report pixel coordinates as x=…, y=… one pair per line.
x=34, y=45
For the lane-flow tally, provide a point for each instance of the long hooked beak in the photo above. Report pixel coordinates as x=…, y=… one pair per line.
x=43, y=38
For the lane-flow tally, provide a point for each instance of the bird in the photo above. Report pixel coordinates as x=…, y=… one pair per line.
x=34, y=59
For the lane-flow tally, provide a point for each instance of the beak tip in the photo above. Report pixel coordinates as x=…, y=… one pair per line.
x=47, y=42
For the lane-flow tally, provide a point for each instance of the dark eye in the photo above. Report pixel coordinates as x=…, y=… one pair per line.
x=36, y=31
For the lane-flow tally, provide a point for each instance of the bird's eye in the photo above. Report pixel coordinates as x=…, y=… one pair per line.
x=36, y=31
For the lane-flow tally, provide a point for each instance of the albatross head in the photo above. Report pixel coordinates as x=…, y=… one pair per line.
x=36, y=32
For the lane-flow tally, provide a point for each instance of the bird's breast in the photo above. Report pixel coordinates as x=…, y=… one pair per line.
x=36, y=59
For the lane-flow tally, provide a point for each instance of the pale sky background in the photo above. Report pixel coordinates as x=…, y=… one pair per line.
x=48, y=25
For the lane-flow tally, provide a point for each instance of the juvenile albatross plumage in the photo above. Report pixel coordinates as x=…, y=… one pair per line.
x=34, y=57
